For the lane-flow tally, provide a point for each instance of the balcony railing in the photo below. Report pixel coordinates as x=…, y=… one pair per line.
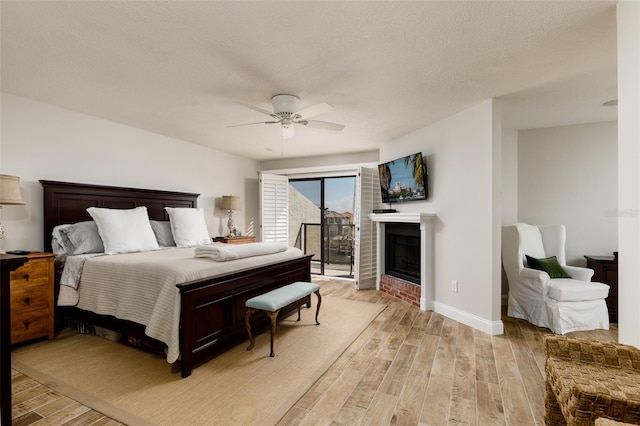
x=333, y=251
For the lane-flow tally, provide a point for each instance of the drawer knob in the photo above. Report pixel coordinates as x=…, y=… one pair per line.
x=26, y=277
x=26, y=324
x=27, y=300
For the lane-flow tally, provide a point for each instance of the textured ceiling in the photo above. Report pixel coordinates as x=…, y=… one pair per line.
x=179, y=68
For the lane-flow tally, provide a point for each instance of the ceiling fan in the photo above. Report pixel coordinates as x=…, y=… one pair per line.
x=286, y=113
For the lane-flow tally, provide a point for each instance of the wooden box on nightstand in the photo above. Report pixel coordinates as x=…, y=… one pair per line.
x=32, y=299
x=235, y=240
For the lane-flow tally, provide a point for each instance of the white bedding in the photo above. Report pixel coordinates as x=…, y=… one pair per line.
x=73, y=269
x=141, y=287
x=225, y=252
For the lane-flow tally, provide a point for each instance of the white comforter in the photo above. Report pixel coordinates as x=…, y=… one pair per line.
x=141, y=287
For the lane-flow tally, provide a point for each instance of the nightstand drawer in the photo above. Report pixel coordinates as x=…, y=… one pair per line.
x=35, y=272
x=26, y=298
x=29, y=325
x=31, y=298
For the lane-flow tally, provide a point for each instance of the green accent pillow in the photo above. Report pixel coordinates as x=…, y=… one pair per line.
x=549, y=265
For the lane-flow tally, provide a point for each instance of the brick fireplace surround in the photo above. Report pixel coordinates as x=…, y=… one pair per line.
x=419, y=295
x=400, y=289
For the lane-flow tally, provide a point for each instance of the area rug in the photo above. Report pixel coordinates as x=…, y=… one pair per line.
x=239, y=387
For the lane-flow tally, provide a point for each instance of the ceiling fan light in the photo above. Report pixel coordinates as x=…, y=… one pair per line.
x=287, y=131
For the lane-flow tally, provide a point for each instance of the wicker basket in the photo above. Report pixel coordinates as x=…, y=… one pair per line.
x=601, y=421
x=588, y=379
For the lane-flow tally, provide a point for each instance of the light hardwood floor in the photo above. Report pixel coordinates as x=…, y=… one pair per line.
x=408, y=367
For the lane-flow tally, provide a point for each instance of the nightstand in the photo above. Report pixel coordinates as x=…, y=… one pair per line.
x=605, y=270
x=235, y=240
x=32, y=299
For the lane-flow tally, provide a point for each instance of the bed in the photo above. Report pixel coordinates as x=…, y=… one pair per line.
x=211, y=309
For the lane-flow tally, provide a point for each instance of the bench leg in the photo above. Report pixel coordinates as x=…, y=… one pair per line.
x=318, y=307
x=274, y=316
x=247, y=324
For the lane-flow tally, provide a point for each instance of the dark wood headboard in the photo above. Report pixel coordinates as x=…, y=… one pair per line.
x=66, y=202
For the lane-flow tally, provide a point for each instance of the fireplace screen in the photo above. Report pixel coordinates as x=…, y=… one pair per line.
x=402, y=251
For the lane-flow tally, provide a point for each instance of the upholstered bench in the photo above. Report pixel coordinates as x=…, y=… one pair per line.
x=271, y=303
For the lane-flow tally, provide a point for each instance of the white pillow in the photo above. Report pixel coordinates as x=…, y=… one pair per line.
x=124, y=231
x=188, y=226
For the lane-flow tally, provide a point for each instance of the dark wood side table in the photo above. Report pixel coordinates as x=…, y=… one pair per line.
x=235, y=240
x=606, y=271
x=8, y=263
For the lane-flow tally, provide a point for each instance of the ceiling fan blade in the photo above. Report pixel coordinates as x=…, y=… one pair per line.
x=321, y=124
x=250, y=124
x=314, y=110
x=255, y=108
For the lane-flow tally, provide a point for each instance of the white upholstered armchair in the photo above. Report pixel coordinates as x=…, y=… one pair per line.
x=562, y=305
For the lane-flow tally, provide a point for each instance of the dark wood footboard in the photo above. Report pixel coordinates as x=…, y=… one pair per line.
x=212, y=311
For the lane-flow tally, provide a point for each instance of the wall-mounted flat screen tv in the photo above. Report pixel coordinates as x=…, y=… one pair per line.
x=404, y=179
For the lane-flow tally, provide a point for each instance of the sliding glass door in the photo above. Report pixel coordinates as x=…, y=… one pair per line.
x=321, y=218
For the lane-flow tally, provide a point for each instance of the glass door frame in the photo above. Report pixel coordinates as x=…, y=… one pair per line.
x=325, y=244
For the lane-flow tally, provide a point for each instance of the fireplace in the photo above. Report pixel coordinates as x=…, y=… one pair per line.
x=402, y=251
x=421, y=291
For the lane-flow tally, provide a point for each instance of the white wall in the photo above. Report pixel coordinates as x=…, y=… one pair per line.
x=40, y=141
x=319, y=161
x=568, y=175
x=628, y=19
x=460, y=153
x=509, y=176
x=509, y=207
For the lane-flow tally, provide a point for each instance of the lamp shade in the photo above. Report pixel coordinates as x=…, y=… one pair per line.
x=10, y=190
x=230, y=202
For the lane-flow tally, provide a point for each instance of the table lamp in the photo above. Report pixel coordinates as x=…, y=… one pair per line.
x=230, y=203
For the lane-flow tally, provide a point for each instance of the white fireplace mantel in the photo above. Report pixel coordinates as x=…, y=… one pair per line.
x=427, y=266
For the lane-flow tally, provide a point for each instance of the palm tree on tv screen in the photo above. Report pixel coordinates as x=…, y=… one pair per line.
x=385, y=180
x=416, y=165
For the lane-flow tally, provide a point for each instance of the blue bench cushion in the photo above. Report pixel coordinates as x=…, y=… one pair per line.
x=281, y=297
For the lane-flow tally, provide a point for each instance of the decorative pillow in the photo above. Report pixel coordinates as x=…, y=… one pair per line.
x=162, y=229
x=549, y=265
x=79, y=238
x=124, y=231
x=188, y=226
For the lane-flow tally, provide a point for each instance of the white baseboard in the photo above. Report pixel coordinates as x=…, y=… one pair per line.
x=493, y=328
